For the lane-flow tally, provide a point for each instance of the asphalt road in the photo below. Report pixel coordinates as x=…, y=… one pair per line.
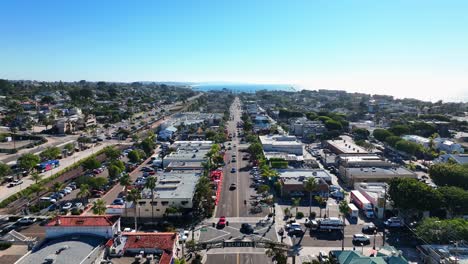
x=231, y=203
x=238, y=258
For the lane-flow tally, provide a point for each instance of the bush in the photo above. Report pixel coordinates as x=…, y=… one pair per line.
x=299, y=215
x=312, y=215
x=5, y=245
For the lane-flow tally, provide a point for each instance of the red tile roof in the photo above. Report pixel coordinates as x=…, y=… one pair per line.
x=165, y=258
x=163, y=241
x=84, y=220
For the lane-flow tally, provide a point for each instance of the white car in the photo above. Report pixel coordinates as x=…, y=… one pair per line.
x=361, y=238
x=26, y=220
x=78, y=205
x=67, y=206
x=67, y=191
x=292, y=226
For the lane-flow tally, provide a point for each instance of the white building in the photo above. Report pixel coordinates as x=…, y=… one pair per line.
x=443, y=144
x=280, y=143
x=417, y=139
x=99, y=225
x=375, y=193
x=173, y=190
x=195, y=155
x=302, y=127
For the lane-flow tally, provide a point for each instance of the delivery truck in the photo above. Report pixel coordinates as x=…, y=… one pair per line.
x=362, y=203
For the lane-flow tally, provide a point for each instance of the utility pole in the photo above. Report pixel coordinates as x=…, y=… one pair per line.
x=384, y=208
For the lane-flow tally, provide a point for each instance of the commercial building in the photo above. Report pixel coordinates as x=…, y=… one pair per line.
x=74, y=239
x=173, y=190
x=184, y=166
x=443, y=254
x=302, y=127
x=387, y=254
x=195, y=155
x=293, y=181
x=192, y=144
x=375, y=193
x=100, y=225
x=280, y=143
x=345, y=145
x=167, y=133
x=158, y=248
x=362, y=160
x=373, y=174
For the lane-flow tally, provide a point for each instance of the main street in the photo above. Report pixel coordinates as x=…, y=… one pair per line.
x=231, y=203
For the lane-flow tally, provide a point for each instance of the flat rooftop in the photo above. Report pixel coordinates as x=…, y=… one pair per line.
x=279, y=140
x=298, y=176
x=346, y=146
x=79, y=247
x=379, y=171
x=174, y=185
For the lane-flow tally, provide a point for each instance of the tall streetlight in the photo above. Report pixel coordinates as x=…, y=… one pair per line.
x=375, y=234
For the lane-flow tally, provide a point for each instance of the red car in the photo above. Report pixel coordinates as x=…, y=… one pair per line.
x=222, y=222
x=151, y=172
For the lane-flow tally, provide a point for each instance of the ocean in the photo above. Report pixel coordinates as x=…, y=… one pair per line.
x=242, y=88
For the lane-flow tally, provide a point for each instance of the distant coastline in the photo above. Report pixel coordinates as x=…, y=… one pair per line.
x=241, y=87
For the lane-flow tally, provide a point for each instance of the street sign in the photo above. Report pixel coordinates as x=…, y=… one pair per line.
x=239, y=244
x=203, y=230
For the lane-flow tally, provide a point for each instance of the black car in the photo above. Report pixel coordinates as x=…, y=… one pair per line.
x=296, y=232
x=246, y=229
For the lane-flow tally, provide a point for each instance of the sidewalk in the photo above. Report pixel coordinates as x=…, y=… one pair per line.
x=280, y=223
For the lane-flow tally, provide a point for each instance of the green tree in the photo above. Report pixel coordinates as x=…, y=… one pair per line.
x=263, y=189
x=381, y=134
x=148, y=146
x=69, y=147
x=408, y=147
x=333, y=125
x=360, y=133
x=277, y=254
x=393, y=140
x=28, y=161
x=134, y=156
x=455, y=199
x=310, y=185
x=449, y=174
x=402, y=192
x=99, y=207
x=256, y=150
x=151, y=184
x=36, y=177
x=112, y=152
x=295, y=203
x=436, y=231
x=91, y=163
x=5, y=170
x=84, y=192
x=133, y=196
x=399, y=130
x=343, y=208
x=57, y=186
x=114, y=171
x=50, y=153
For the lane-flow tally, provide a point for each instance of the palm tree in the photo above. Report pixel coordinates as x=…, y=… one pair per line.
x=35, y=176
x=125, y=181
x=57, y=186
x=343, y=208
x=133, y=196
x=311, y=186
x=151, y=184
x=84, y=192
x=295, y=203
x=99, y=207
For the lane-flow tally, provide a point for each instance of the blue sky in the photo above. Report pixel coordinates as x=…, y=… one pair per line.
x=405, y=48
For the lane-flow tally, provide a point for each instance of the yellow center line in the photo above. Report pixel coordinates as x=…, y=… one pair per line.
x=238, y=259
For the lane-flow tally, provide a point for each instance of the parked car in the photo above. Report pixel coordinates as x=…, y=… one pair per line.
x=78, y=205
x=67, y=206
x=369, y=228
x=15, y=183
x=360, y=238
x=26, y=220
x=323, y=257
x=118, y=201
x=393, y=222
x=296, y=232
x=292, y=226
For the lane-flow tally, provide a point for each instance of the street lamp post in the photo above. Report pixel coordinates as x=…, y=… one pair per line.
x=384, y=208
x=375, y=233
